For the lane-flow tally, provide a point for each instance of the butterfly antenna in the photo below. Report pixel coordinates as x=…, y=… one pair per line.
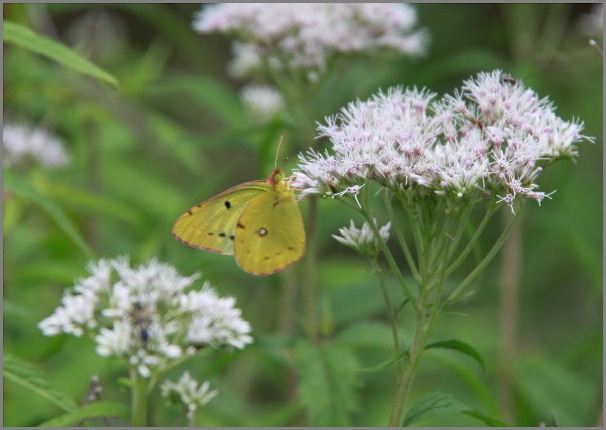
x=278, y=153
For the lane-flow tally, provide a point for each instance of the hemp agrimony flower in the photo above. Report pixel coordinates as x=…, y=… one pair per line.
x=305, y=35
x=148, y=316
x=491, y=138
x=363, y=239
x=188, y=392
x=21, y=142
x=433, y=160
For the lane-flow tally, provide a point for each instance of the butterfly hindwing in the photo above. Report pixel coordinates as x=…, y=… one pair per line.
x=211, y=225
x=270, y=234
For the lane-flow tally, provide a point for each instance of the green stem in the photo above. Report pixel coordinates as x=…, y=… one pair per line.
x=480, y=267
x=391, y=260
x=463, y=255
x=139, y=399
x=390, y=311
x=401, y=238
x=310, y=288
x=422, y=328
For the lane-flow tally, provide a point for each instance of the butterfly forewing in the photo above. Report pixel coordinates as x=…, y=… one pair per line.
x=211, y=225
x=270, y=234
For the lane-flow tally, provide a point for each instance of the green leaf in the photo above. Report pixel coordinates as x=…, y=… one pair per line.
x=90, y=410
x=24, y=374
x=489, y=421
x=205, y=92
x=460, y=346
x=437, y=403
x=26, y=38
x=404, y=354
x=328, y=383
x=22, y=188
x=431, y=405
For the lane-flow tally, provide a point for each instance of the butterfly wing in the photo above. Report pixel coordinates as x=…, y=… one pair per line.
x=270, y=234
x=211, y=225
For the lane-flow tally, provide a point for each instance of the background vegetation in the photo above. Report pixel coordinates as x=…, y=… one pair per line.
x=175, y=133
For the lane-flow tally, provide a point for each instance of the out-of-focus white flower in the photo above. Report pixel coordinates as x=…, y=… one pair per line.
x=148, y=316
x=592, y=24
x=306, y=35
x=363, y=239
x=262, y=102
x=492, y=137
x=188, y=392
x=22, y=141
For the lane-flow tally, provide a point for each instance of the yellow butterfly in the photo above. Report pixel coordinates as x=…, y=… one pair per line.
x=259, y=222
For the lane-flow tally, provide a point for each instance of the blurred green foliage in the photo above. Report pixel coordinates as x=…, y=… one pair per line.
x=174, y=133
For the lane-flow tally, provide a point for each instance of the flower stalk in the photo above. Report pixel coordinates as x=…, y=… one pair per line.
x=139, y=398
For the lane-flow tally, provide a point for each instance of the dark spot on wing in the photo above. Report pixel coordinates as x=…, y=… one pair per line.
x=198, y=205
x=267, y=258
x=240, y=225
x=189, y=212
x=231, y=236
x=227, y=204
x=290, y=248
x=210, y=233
x=222, y=234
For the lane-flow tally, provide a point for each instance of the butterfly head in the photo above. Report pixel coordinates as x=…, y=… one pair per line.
x=276, y=177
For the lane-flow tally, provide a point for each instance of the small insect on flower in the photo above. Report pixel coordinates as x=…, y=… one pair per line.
x=149, y=317
x=142, y=321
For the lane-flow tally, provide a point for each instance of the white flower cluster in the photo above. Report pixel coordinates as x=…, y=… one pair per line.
x=362, y=239
x=306, y=35
x=262, y=102
x=492, y=137
x=188, y=392
x=22, y=141
x=146, y=316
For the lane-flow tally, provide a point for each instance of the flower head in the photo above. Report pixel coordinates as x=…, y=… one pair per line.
x=492, y=137
x=148, y=316
x=306, y=35
x=188, y=392
x=22, y=141
x=363, y=239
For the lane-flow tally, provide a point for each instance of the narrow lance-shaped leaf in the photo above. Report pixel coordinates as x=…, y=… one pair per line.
x=459, y=346
x=27, y=376
x=90, y=410
x=22, y=188
x=26, y=38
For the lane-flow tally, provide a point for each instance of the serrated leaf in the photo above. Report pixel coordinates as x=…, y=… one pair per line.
x=26, y=38
x=431, y=405
x=438, y=403
x=90, y=410
x=22, y=188
x=328, y=383
x=27, y=376
x=459, y=346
